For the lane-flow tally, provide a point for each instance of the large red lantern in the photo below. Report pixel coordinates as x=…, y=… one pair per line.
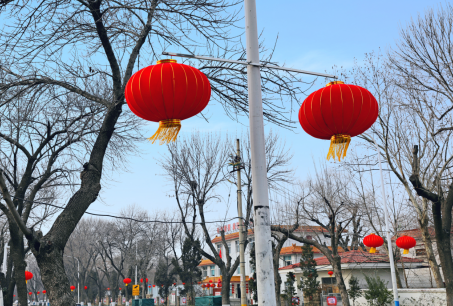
x=405, y=242
x=330, y=273
x=72, y=288
x=373, y=241
x=167, y=93
x=28, y=276
x=338, y=112
x=127, y=281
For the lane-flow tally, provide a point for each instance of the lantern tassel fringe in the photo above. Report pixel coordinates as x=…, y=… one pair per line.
x=167, y=132
x=406, y=251
x=338, y=146
x=372, y=250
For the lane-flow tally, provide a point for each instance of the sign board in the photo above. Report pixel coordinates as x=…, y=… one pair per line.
x=135, y=289
x=183, y=300
x=218, y=293
x=331, y=300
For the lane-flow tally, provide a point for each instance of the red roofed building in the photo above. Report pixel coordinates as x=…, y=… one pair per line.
x=353, y=263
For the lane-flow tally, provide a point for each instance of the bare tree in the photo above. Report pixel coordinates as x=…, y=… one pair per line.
x=89, y=49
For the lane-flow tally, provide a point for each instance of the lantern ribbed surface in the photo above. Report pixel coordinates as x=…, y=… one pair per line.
x=167, y=93
x=28, y=276
x=373, y=241
x=127, y=281
x=338, y=112
x=72, y=288
x=405, y=243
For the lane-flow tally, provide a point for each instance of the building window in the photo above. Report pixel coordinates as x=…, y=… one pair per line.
x=329, y=280
x=229, y=247
x=212, y=270
x=420, y=252
x=287, y=260
x=205, y=271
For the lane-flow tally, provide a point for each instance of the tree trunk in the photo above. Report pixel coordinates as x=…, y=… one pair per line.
x=18, y=256
x=426, y=238
x=225, y=289
x=339, y=277
x=442, y=225
x=54, y=277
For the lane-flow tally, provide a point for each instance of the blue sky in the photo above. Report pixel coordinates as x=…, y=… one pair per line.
x=313, y=35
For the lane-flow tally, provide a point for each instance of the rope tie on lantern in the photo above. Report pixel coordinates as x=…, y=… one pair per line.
x=167, y=132
x=338, y=146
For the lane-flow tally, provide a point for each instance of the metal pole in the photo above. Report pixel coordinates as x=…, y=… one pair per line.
x=241, y=229
x=78, y=281
x=387, y=228
x=262, y=226
x=136, y=252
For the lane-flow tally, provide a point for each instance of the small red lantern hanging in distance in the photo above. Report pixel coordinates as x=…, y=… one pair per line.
x=141, y=280
x=146, y=280
x=30, y=293
x=108, y=289
x=87, y=288
x=120, y=289
x=37, y=292
x=183, y=284
x=338, y=112
x=406, y=242
x=44, y=291
x=174, y=284
x=72, y=288
x=330, y=273
x=28, y=276
x=127, y=281
x=373, y=241
x=167, y=93
x=154, y=286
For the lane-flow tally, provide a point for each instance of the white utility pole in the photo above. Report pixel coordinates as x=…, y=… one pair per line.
x=262, y=224
x=237, y=168
x=387, y=228
x=136, y=252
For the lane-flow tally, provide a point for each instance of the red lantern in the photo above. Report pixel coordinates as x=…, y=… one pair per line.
x=210, y=280
x=108, y=289
x=405, y=242
x=72, y=288
x=174, y=284
x=154, y=286
x=183, y=284
x=127, y=281
x=87, y=288
x=212, y=285
x=199, y=283
x=37, y=292
x=120, y=289
x=373, y=241
x=330, y=273
x=146, y=280
x=30, y=293
x=28, y=276
x=167, y=93
x=338, y=112
x=141, y=280
x=44, y=291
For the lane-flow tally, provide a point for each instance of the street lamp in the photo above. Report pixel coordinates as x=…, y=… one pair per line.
x=78, y=278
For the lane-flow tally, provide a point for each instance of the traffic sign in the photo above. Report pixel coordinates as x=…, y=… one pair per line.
x=135, y=289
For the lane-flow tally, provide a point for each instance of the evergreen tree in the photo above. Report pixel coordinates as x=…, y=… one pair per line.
x=377, y=293
x=252, y=281
x=290, y=289
x=354, y=289
x=164, y=278
x=187, y=268
x=309, y=284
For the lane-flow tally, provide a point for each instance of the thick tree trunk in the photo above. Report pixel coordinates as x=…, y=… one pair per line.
x=225, y=289
x=426, y=238
x=340, y=282
x=54, y=277
x=18, y=256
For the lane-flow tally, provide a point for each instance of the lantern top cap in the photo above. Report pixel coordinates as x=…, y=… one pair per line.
x=334, y=83
x=166, y=61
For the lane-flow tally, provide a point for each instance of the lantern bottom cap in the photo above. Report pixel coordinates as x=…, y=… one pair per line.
x=372, y=250
x=339, y=144
x=167, y=132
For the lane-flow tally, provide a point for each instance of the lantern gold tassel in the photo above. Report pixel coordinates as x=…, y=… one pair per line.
x=167, y=132
x=338, y=146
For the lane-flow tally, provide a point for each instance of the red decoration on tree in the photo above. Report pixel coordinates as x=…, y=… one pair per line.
x=44, y=291
x=154, y=285
x=146, y=279
x=338, y=112
x=330, y=273
x=167, y=93
x=174, y=284
x=127, y=281
x=210, y=280
x=108, y=289
x=373, y=241
x=28, y=276
x=120, y=289
x=141, y=280
x=183, y=284
x=405, y=242
x=72, y=288
x=37, y=292
x=30, y=293
x=87, y=288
